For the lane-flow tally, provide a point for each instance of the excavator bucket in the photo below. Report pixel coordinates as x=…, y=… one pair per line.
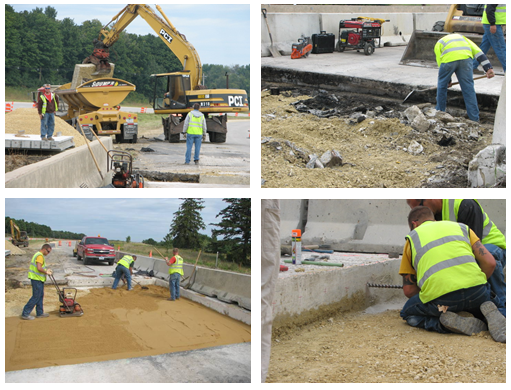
x=420, y=50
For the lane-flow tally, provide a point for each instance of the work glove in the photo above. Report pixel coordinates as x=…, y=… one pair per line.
x=49, y=272
x=490, y=73
x=184, y=135
x=203, y=137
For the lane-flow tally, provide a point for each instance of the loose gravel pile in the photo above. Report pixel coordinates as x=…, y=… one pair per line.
x=13, y=248
x=27, y=119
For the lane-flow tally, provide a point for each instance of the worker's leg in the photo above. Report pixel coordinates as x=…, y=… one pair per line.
x=118, y=276
x=497, y=281
x=189, y=144
x=197, y=140
x=44, y=126
x=51, y=125
x=484, y=46
x=127, y=275
x=37, y=296
x=177, y=282
x=444, y=77
x=499, y=45
x=172, y=282
x=465, y=76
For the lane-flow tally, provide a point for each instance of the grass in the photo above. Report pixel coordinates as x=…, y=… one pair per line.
x=207, y=260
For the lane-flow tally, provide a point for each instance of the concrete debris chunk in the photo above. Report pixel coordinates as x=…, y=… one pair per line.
x=415, y=148
x=312, y=161
x=488, y=167
x=444, y=116
x=331, y=158
x=420, y=123
x=411, y=112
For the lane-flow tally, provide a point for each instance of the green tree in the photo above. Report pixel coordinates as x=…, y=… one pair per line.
x=235, y=229
x=150, y=241
x=128, y=239
x=186, y=224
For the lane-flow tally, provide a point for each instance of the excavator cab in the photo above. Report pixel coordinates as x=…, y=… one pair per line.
x=170, y=91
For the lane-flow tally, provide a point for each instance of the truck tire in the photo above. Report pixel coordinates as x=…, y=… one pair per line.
x=86, y=260
x=111, y=262
x=174, y=138
x=218, y=138
x=74, y=253
x=78, y=257
x=134, y=139
x=439, y=26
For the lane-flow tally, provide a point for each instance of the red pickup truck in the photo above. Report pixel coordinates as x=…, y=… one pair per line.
x=94, y=248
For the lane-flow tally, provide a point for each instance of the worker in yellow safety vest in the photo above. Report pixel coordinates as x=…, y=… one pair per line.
x=47, y=105
x=175, y=273
x=37, y=274
x=471, y=213
x=445, y=268
x=195, y=130
x=454, y=54
x=124, y=270
x=494, y=19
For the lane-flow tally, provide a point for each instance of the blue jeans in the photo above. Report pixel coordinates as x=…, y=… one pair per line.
x=427, y=316
x=47, y=125
x=497, y=283
x=193, y=139
x=119, y=272
x=36, y=299
x=464, y=73
x=496, y=41
x=174, y=280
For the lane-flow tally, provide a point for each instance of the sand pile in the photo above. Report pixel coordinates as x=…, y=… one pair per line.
x=27, y=119
x=13, y=248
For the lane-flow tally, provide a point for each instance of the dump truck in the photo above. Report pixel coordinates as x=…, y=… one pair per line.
x=93, y=106
x=18, y=237
x=465, y=19
x=174, y=93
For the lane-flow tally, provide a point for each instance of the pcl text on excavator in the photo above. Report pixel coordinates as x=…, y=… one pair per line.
x=174, y=93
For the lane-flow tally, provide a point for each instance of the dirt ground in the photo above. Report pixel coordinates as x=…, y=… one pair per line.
x=382, y=348
x=374, y=147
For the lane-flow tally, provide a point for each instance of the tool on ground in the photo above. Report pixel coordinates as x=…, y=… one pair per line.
x=143, y=287
x=274, y=52
x=384, y=285
x=318, y=250
x=302, y=48
x=283, y=268
x=194, y=269
x=436, y=87
x=361, y=33
x=67, y=296
x=318, y=263
x=121, y=163
x=296, y=246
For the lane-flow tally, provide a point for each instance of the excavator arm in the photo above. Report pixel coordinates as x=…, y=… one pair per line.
x=174, y=40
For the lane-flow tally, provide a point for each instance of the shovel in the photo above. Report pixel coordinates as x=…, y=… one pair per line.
x=274, y=52
x=433, y=88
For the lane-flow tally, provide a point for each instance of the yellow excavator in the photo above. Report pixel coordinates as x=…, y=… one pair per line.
x=19, y=238
x=465, y=19
x=174, y=93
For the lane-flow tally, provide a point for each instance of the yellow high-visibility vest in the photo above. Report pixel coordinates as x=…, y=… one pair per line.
x=500, y=15
x=194, y=124
x=177, y=267
x=45, y=102
x=33, y=272
x=455, y=47
x=126, y=261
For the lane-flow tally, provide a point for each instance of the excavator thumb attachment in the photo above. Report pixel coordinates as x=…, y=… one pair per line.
x=420, y=50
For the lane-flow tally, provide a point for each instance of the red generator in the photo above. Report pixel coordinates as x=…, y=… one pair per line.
x=359, y=34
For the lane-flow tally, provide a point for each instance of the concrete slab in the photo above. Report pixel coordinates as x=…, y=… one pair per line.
x=34, y=142
x=381, y=71
x=225, y=364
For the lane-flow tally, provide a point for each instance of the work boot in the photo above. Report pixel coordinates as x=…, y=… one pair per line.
x=196, y=162
x=29, y=317
x=463, y=325
x=44, y=139
x=44, y=315
x=170, y=299
x=187, y=163
x=496, y=321
x=50, y=139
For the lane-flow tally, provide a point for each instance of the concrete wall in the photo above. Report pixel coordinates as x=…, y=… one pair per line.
x=286, y=28
x=74, y=168
x=361, y=225
x=229, y=287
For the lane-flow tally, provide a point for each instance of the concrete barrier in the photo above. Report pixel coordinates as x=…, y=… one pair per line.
x=360, y=225
x=286, y=28
x=70, y=169
x=229, y=287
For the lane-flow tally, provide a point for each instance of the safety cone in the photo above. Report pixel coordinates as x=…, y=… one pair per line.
x=119, y=248
x=142, y=110
x=151, y=254
x=69, y=243
x=60, y=243
x=9, y=107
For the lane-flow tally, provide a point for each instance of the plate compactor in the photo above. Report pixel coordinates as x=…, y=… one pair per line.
x=67, y=297
x=360, y=34
x=121, y=163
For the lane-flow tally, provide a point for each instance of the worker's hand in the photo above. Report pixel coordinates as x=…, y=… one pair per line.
x=490, y=73
x=49, y=272
x=41, y=116
x=184, y=135
x=204, y=138
x=493, y=29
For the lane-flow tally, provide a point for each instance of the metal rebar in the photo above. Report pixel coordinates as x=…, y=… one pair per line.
x=384, y=285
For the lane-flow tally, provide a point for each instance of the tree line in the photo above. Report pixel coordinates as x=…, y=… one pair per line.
x=35, y=229
x=40, y=49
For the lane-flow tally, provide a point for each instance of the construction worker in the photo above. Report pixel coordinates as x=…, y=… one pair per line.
x=195, y=129
x=470, y=212
x=494, y=17
x=454, y=54
x=444, y=269
x=47, y=105
x=124, y=269
x=175, y=273
x=37, y=274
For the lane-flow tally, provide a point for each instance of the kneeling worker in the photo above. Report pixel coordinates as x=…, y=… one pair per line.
x=445, y=269
x=124, y=269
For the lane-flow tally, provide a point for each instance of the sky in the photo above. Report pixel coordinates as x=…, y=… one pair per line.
x=112, y=218
x=219, y=32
